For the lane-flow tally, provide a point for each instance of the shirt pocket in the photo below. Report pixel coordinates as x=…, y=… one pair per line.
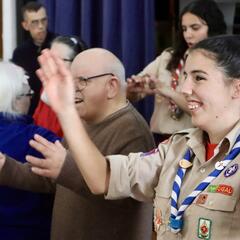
x=220, y=210
x=218, y=202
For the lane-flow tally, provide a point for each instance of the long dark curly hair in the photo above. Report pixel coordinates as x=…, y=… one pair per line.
x=207, y=10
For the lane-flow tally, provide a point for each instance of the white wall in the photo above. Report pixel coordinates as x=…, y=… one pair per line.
x=9, y=28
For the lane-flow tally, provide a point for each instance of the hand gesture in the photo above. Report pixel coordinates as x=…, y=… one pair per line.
x=54, y=157
x=141, y=84
x=57, y=81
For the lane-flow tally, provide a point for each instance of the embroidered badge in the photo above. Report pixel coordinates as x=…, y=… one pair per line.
x=201, y=199
x=221, y=188
x=225, y=189
x=212, y=188
x=204, y=228
x=231, y=170
x=157, y=220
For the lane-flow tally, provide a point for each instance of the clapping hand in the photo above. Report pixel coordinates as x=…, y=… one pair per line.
x=54, y=157
x=145, y=84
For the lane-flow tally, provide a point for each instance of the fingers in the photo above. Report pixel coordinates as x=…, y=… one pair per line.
x=40, y=166
x=59, y=144
x=37, y=162
x=42, y=76
x=41, y=172
x=47, y=63
x=41, y=144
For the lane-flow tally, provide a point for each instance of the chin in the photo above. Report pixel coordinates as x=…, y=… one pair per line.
x=199, y=123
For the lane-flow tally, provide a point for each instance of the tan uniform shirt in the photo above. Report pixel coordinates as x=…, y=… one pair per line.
x=216, y=211
x=161, y=120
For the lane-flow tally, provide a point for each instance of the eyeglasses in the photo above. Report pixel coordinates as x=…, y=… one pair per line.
x=67, y=60
x=82, y=81
x=28, y=94
x=37, y=22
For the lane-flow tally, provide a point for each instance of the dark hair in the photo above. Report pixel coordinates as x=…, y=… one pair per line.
x=207, y=10
x=31, y=7
x=77, y=45
x=225, y=50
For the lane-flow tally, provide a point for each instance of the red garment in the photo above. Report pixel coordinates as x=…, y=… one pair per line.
x=210, y=150
x=45, y=117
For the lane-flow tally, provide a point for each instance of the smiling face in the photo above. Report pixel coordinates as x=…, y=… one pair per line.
x=92, y=100
x=210, y=95
x=194, y=29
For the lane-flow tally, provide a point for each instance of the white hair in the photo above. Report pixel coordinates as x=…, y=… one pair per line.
x=12, y=78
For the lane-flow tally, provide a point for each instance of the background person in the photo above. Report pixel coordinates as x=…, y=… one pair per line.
x=198, y=20
x=23, y=215
x=35, y=21
x=115, y=127
x=67, y=47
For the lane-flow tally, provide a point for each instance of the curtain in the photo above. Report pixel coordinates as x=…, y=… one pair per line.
x=125, y=27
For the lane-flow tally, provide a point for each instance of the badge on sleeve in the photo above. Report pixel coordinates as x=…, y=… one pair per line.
x=204, y=228
x=153, y=151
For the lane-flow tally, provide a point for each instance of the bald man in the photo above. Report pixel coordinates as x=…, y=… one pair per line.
x=115, y=127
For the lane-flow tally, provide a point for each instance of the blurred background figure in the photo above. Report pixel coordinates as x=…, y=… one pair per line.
x=162, y=77
x=66, y=47
x=34, y=21
x=23, y=215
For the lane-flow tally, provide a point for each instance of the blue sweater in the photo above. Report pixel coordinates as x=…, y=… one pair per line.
x=23, y=215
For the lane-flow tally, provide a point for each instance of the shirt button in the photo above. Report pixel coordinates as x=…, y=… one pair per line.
x=202, y=170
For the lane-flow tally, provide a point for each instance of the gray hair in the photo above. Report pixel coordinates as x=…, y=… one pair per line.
x=11, y=86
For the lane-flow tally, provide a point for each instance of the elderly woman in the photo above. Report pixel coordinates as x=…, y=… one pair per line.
x=67, y=47
x=23, y=215
x=193, y=178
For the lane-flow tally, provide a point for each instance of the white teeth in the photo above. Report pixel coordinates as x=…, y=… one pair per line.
x=193, y=107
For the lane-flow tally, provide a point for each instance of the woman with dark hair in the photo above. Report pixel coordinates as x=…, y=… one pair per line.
x=162, y=77
x=193, y=178
x=67, y=47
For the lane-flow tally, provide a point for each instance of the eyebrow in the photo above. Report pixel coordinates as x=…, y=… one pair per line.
x=199, y=71
x=193, y=25
x=196, y=71
x=39, y=19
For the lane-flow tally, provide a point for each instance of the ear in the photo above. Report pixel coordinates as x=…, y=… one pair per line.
x=25, y=25
x=16, y=104
x=236, y=88
x=112, y=87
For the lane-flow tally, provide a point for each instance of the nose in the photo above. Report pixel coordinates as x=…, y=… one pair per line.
x=40, y=25
x=187, y=86
x=188, y=34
